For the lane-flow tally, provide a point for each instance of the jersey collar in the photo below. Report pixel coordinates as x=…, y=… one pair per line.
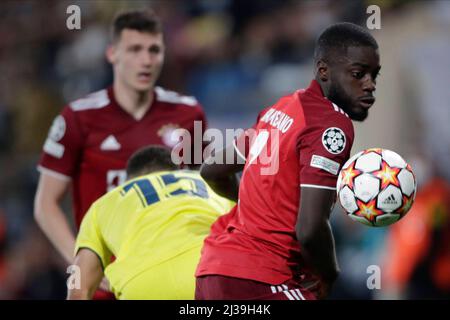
x=116, y=105
x=315, y=89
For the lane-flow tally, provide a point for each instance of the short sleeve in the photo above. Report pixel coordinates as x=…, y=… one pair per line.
x=323, y=150
x=63, y=146
x=90, y=237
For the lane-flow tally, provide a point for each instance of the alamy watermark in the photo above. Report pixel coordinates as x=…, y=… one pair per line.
x=256, y=146
x=74, y=280
x=73, y=21
x=374, y=20
x=374, y=280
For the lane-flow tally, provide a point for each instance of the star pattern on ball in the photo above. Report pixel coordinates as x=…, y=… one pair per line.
x=409, y=168
x=378, y=151
x=388, y=175
x=368, y=210
x=348, y=176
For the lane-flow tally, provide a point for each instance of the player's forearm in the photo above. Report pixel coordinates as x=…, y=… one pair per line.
x=52, y=221
x=90, y=275
x=319, y=251
x=78, y=294
x=82, y=293
x=222, y=178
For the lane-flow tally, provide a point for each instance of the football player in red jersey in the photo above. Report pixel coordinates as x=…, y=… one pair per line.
x=91, y=140
x=277, y=242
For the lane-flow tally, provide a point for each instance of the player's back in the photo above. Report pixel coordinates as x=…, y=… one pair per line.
x=154, y=218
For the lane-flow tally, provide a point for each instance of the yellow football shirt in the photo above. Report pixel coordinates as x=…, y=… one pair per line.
x=148, y=221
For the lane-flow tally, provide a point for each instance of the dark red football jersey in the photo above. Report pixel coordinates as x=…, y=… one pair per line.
x=91, y=140
x=302, y=140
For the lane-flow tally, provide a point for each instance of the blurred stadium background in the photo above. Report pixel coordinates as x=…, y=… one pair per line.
x=236, y=57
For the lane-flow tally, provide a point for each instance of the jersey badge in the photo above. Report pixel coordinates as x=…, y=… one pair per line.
x=110, y=144
x=56, y=133
x=333, y=139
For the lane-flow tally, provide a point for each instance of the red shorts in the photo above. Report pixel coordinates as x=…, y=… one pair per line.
x=103, y=295
x=217, y=287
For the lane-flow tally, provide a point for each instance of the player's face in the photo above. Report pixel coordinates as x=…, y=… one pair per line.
x=138, y=58
x=353, y=81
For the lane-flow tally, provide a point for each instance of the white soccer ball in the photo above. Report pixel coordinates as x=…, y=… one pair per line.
x=376, y=187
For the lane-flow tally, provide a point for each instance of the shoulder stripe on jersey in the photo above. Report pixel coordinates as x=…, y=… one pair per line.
x=317, y=186
x=237, y=151
x=164, y=95
x=53, y=173
x=96, y=100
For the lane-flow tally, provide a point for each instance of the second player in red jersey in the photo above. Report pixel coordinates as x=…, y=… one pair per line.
x=277, y=242
x=90, y=141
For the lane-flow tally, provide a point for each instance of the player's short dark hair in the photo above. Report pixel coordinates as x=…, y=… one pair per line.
x=336, y=39
x=139, y=20
x=150, y=159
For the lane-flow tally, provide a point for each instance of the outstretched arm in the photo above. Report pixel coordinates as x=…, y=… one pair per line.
x=315, y=236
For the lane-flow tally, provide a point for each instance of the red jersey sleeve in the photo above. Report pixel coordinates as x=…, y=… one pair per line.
x=323, y=149
x=63, y=146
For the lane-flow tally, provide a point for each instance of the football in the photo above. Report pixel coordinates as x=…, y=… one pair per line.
x=376, y=187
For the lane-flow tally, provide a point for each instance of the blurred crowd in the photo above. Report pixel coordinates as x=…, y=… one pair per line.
x=236, y=57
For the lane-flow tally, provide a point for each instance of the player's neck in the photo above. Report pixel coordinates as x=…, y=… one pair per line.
x=133, y=102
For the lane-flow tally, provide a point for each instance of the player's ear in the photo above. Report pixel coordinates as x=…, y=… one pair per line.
x=111, y=53
x=322, y=70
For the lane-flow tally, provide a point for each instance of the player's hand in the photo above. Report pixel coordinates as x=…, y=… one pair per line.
x=104, y=285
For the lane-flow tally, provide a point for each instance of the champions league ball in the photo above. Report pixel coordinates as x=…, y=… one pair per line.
x=376, y=187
